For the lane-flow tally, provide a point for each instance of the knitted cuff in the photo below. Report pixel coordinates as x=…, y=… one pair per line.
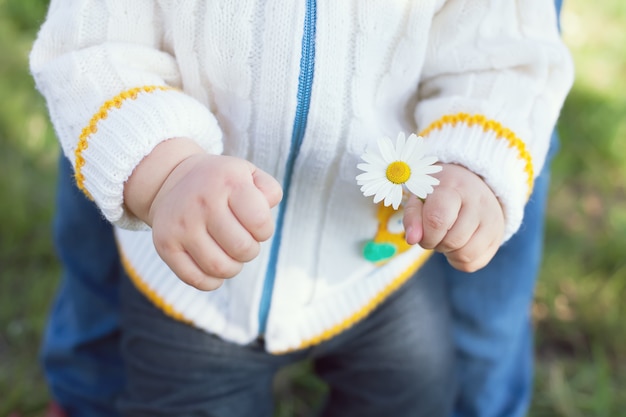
x=488, y=149
x=126, y=129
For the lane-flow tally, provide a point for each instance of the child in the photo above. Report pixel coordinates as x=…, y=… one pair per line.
x=298, y=102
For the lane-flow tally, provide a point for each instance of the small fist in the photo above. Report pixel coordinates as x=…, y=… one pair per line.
x=462, y=219
x=210, y=215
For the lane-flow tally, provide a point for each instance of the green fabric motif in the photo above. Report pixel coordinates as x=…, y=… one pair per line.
x=377, y=252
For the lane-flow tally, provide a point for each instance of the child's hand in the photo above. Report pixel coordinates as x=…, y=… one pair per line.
x=209, y=215
x=462, y=219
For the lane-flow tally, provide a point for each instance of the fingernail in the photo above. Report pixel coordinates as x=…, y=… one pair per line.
x=407, y=234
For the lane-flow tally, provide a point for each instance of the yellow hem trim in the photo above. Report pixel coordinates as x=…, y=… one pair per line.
x=149, y=293
x=488, y=125
x=92, y=127
x=366, y=309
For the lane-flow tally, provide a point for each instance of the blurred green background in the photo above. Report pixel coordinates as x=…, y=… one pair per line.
x=581, y=295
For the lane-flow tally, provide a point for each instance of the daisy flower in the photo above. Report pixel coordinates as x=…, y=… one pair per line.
x=388, y=169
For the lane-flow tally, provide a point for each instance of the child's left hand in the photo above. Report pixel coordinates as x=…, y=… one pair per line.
x=462, y=219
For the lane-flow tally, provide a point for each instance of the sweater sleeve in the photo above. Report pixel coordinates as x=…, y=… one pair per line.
x=495, y=78
x=113, y=94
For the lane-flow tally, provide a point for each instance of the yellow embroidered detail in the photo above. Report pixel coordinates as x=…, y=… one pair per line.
x=398, y=172
x=489, y=126
x=389, y=240
x=149, y=292
x=92, y=127
x=366, y=309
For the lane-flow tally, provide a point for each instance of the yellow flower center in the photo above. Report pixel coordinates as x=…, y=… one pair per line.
x=398, y=172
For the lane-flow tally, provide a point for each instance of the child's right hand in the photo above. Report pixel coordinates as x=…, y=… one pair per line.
x=209, y=216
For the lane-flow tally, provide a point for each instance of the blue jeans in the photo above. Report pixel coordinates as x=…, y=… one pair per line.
x=491, y=318
x=80, y=353
x=396, y=362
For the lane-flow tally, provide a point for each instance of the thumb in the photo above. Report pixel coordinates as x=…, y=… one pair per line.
x=413, y=229
x=268, y=185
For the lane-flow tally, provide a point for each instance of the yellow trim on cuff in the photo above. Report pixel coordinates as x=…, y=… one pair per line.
x=149, y=292
x=366, y=309
x=92, y=127
x=493, y=126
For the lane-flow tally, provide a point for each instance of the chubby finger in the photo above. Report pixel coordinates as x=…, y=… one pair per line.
x=477, y=253
x=209, y=256
x=463, y=229
x=412, y=220
x=250, y=207
x=440, y=212
x=184, y=266
x=268, y=185
x=232, y=237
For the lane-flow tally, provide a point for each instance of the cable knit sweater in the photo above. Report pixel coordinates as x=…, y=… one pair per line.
x=300, y=88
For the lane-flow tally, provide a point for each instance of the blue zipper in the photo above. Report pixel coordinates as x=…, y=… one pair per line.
x=305, y=82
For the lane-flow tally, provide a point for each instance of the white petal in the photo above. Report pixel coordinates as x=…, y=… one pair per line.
x=374, y=159
x=383, y=192
x=374, y=187
x=418, y=150
x=394, y=198
x=368, y=167
x=419, y=140
x=420, y=189
x=370, y=176
x=379, y=197
x=432, y=169
x=427, y=160
x=425, y=170
x=408, y=149
x=371, y=183
x=387, y=150
x=372, y=168
x=422, y=186
x=364, y=167
x=400, y=142
x=425, y=179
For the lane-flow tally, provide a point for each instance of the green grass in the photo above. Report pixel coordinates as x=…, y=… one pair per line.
x=28, y=271
x=579, y=308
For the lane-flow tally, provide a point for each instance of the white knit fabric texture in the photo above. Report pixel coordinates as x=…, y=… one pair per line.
x=380, y=68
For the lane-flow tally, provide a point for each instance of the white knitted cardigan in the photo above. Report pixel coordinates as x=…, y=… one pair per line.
x=482, y=80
